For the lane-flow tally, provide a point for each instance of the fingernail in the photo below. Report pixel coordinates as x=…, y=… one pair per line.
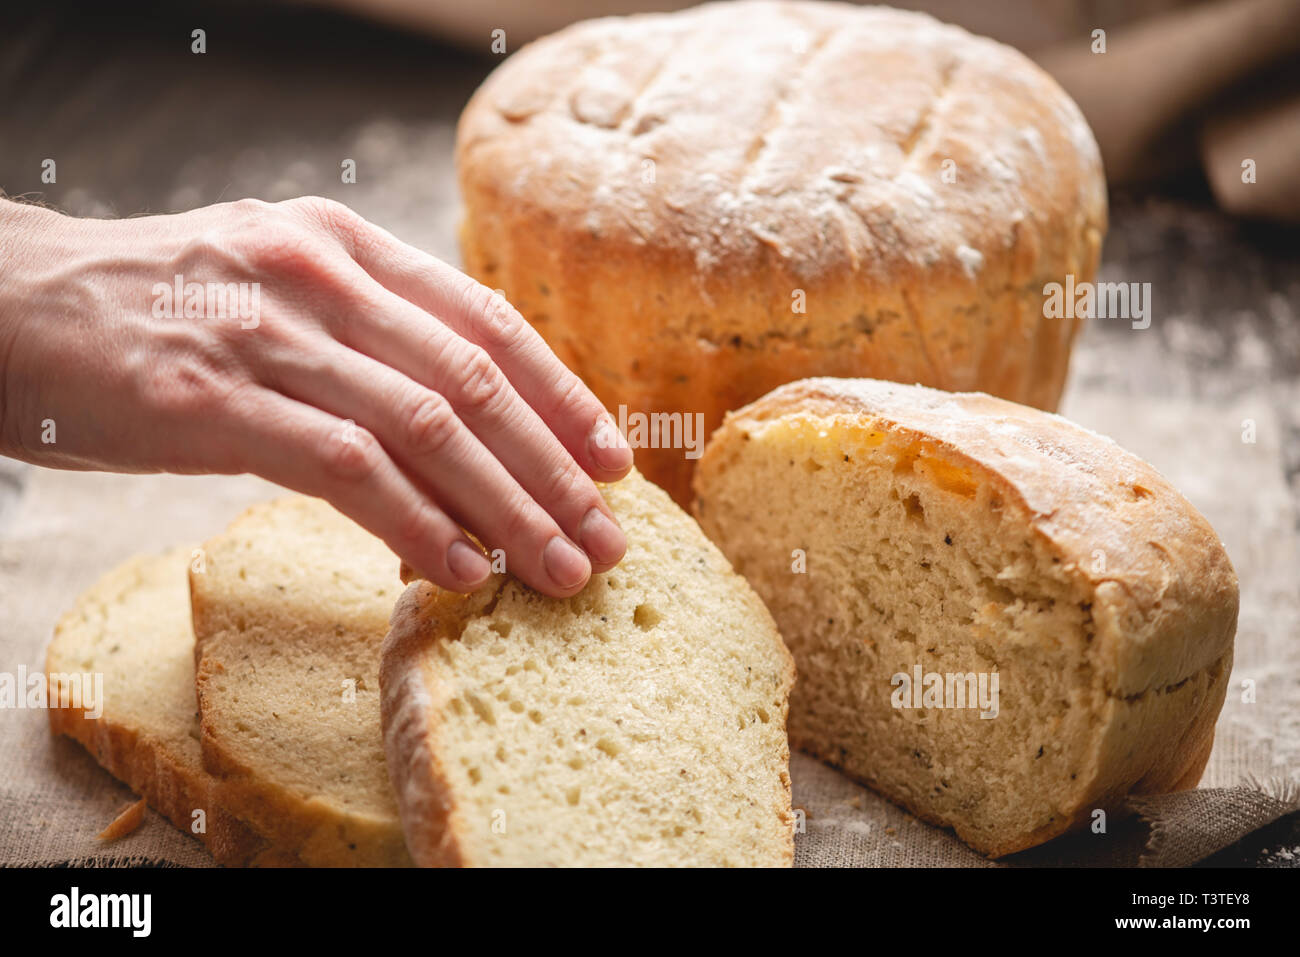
x=608, y=447
x=467, y=564
x=566, y=565
x=601, y=539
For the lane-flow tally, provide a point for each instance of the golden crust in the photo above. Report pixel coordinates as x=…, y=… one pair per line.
x=657, y=193
x=421, y=617
x=172, y=788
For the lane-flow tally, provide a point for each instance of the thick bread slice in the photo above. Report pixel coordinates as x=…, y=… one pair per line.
x=968, y=535
x=290, y=607
x=133, y=628
x=641, y=722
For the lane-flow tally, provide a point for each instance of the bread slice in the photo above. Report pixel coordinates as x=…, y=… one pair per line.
x=641, y=722
x=133, y=628
x=290, y=606
x=893, y=527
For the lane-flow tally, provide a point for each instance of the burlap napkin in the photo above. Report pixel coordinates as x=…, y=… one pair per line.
x=849, y=826
x=68, y=528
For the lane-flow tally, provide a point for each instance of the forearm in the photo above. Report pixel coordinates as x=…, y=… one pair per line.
x=24, y=228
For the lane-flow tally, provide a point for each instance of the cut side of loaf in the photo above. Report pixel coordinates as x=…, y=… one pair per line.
x=641, y=722
x=899, y=533
x=133, y=628
x=291, y=605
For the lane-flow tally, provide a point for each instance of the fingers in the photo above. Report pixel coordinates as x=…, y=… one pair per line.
x=313, y=452
x=427, y=352
x=423, y=433
x=483, y=417
x=483, y=317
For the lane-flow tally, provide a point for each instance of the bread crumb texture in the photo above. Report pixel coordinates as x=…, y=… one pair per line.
x=291, y=604
x=133, y=628
x=964, y=534
x=641, y=722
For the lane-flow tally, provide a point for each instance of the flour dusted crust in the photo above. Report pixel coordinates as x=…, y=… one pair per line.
x=651, y=191
x=147, y=736
x=1163, y=594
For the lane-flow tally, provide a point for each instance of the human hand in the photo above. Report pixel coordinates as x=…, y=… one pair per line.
x=345, y=365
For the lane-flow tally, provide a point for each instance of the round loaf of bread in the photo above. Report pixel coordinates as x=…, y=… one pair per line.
x=694, y=208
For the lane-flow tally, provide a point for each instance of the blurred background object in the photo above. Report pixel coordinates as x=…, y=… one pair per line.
x=1213, y=87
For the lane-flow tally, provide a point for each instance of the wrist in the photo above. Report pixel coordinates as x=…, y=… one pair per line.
x=23, y=232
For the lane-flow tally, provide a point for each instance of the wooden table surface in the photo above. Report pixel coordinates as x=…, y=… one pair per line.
x=136, y=123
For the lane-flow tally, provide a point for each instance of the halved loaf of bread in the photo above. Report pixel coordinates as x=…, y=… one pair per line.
x=915, y=545
x=641, y=722
x=133, y=628
x=291, y=604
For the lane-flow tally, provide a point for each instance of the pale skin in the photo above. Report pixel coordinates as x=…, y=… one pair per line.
x=415, y=400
